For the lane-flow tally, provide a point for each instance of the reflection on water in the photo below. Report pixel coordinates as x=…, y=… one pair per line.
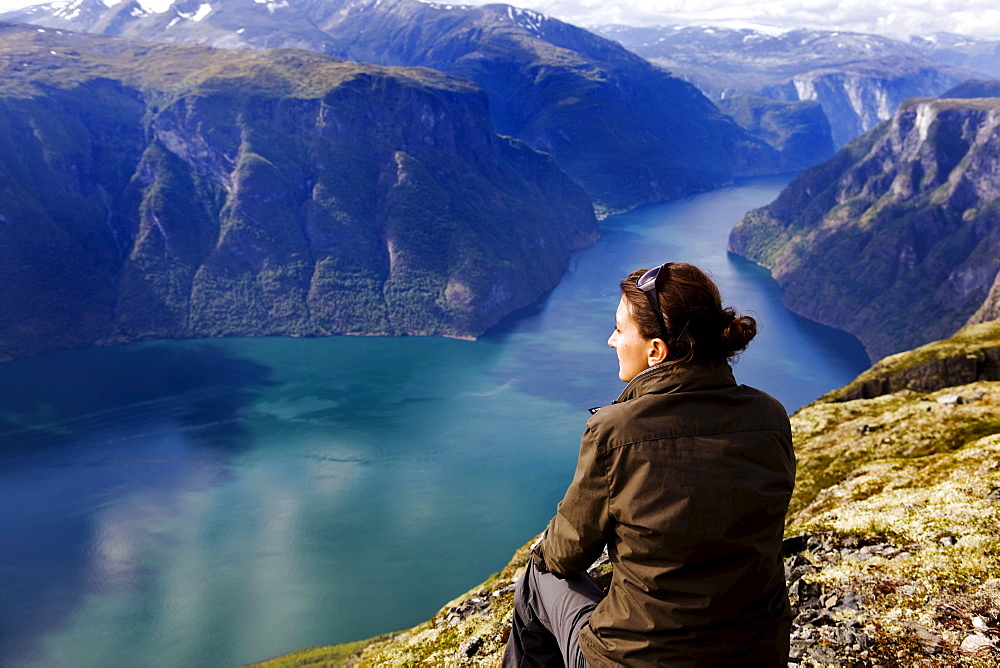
x=219, y=502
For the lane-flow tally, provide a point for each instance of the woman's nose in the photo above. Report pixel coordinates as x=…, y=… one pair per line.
x=611, y=340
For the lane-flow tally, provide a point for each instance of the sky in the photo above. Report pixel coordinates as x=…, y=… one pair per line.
x=893, y=18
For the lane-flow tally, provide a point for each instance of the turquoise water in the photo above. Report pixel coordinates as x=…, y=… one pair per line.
x=210, y=503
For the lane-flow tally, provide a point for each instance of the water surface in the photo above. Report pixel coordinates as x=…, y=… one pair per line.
x=210, y=503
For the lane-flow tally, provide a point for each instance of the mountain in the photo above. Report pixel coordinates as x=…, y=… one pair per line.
x=990, y=308
x=799, y=130
x=974, y=88
x=181, y=191
x=892, y=547
x=897, y=238
x=627, y=131
x=858, y=79
x=960, y=50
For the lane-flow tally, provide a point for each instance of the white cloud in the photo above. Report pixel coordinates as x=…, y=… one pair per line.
x=895, y=18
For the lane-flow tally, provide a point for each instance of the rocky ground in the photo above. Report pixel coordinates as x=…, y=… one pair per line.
x=892, y=547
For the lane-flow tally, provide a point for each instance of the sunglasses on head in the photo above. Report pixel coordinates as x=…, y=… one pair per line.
x=647, y=283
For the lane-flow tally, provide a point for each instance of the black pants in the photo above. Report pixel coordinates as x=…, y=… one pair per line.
x=549, y=611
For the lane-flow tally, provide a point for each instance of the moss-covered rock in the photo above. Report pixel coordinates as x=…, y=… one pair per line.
x=971, y=354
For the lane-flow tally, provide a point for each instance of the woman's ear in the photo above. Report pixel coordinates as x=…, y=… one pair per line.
x=656, y=351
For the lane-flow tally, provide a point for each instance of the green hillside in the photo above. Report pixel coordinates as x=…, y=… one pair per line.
x=181, y=191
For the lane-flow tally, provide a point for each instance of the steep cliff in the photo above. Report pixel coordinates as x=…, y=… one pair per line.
x=859, y=80
x=892, y=548
x=897, y=238
x=629, y=132
x=858, y=96
x=168, y=191
x=990, y=308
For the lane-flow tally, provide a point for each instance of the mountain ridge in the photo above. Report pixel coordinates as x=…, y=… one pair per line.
x=627, y=131
x=178, y=191
x=858, y=79
x=897, y=238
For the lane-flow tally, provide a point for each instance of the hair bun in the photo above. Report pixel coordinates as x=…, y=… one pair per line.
x=725, y=318
x=737, y=331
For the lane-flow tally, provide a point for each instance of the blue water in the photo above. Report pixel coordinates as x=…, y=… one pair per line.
x=210, y=503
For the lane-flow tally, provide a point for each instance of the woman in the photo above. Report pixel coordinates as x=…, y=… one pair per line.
x=685, y=479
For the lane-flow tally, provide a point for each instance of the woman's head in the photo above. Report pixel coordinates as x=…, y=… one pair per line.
x=698, y=328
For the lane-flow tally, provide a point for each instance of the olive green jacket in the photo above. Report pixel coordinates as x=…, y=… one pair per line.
x=686, y=479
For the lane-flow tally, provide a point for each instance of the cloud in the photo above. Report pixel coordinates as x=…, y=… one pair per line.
x=897, y=18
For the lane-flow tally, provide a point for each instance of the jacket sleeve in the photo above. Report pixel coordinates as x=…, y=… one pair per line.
x=575, y=537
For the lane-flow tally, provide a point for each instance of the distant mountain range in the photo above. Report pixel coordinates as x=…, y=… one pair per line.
x=897, y=238
x=858, y=79
x=961, y=51
x=179, y=191
x=626, y=130
x=137, y=158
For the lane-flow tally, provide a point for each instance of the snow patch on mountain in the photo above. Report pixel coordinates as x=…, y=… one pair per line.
x=526, y=18
x=273, y=5
x=154, y=6
x=203, y=10
x=432, y=5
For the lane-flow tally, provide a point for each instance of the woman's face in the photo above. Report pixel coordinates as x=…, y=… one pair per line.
x=634, y=352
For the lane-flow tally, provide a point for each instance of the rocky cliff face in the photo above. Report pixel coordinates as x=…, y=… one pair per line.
x=858, y=80
x=990, y=308
x=970, y=356
x=627, y=131
x=897, y=238
x=161, y=191
x=857, y=97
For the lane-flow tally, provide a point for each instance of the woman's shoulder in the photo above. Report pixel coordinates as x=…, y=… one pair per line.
x=726, y=409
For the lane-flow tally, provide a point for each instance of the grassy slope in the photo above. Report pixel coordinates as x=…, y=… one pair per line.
x=901, y=469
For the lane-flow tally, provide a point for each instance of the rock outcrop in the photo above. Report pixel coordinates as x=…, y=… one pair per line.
x=179, y=191
x=990, y=308
x=971, y=355
x=627, y=131
x=859, y=96
x=897, y=238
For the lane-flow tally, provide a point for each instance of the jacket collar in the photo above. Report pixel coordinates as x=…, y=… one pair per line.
x=667, y=378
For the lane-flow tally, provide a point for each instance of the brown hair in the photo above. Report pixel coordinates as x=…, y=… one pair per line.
x=698, y=328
